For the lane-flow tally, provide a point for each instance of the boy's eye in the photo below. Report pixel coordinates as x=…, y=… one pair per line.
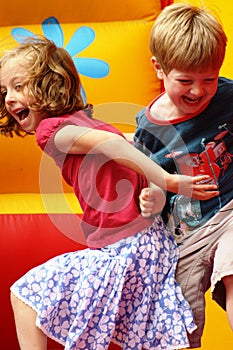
x=184, y=81
x=210, y=80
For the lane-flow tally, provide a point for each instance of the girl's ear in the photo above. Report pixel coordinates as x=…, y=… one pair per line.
x=157, y=68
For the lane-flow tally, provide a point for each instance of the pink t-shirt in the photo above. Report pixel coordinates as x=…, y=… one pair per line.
x=107, y=192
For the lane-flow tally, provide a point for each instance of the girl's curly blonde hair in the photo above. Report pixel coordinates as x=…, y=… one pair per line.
x=52, y=81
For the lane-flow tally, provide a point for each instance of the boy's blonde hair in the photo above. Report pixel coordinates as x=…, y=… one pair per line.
x=52, y=81
x=187, y=38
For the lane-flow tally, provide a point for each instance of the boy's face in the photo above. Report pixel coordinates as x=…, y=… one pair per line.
x=12, y=78
x=189, y=93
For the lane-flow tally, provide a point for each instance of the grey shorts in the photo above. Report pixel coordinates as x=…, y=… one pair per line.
x=205, y=258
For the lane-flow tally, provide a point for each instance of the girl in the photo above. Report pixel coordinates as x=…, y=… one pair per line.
x=121, y=288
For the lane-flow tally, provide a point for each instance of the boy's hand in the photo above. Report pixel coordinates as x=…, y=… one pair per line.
x=194, y=187
x=151, y=201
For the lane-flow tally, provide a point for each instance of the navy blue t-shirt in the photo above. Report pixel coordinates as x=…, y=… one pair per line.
x=200, y=145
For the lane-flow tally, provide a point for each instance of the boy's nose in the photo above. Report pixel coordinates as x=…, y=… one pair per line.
x=197, y=89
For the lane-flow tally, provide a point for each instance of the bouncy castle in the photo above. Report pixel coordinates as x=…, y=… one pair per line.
x=39, y=215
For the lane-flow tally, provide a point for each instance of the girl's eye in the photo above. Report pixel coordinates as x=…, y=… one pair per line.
x=3, y=94
x=18, y=87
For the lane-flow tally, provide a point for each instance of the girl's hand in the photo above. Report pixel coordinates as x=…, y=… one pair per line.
x=151, y=201
x=194, y=187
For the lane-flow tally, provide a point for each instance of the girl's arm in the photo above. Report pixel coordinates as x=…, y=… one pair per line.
x=81, y=140
x=151, y=200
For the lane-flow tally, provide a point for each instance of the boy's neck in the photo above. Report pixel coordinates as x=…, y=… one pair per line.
x=163, y=108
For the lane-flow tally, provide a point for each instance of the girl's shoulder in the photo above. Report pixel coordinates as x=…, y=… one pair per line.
x=48, y=127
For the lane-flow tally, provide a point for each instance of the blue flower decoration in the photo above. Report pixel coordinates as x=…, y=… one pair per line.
x=82, y=38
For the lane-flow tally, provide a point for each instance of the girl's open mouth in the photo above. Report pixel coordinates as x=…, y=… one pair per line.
x=23, y=114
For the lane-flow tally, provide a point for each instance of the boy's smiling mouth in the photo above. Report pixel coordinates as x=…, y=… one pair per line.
x=192, y=100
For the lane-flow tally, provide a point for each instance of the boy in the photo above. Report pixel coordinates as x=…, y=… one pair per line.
x=189, y=129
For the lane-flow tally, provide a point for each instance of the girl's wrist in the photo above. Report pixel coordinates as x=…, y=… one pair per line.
x=172, y=182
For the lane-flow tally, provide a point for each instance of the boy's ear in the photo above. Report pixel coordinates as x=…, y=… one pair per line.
x=157, y=68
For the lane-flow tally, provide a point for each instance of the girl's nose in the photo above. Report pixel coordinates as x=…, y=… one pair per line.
x=10, y=98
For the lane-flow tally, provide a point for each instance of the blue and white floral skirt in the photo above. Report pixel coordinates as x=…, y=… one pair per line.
x=124, y=293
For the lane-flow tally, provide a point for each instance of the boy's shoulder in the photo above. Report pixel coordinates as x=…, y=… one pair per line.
x=224, y=91
x=141, y=118
x=224, y=82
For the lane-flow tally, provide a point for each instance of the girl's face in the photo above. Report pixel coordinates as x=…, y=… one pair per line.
x=189, y=92
x=12, y=77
